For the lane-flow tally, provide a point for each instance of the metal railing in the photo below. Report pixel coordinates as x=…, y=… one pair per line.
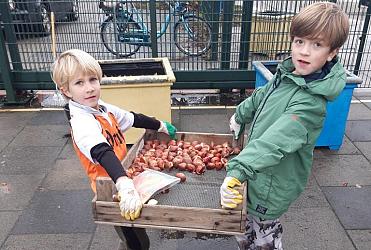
x=237, y=32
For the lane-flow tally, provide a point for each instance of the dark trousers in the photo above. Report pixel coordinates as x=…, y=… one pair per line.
x=136, y=238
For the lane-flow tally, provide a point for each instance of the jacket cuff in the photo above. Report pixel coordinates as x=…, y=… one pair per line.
x=239, y=175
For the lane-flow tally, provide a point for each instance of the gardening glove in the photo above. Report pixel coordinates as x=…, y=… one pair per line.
x=167, y=128
x=234, y=127
x=230, y=197
x=130, y=203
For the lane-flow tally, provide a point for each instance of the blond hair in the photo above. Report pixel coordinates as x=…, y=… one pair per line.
x=323, y=20
x=72, y=62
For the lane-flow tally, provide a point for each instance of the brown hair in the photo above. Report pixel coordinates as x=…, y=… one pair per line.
x=71, y=62
x=321, y=19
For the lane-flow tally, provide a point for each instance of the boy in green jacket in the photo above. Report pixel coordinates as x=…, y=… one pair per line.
x=286, y=117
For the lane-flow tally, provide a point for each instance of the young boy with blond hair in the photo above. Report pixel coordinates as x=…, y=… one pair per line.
x=97, y=130
x=286, y=117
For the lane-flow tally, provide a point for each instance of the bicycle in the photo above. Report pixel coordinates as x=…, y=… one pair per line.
x=123, y=32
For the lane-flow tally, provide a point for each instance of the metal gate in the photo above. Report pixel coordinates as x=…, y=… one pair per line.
x=236, y=33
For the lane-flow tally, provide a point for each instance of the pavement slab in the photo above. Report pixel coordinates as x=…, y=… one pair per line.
x=11, y=120
x=28, y=159
x=8, y=220
x=16, y=191
x=55, y=117
x=351, y=205
x=44, y=135
x=76, y=241
x=361, y=238
x=105, y=237
x=313, y=228
x=57, y=212
x=68, y=151
x=171, y=239
x=66, y=175
x=365, y=148
x=339, y=170
x=359, y=111
x=311, y=197
x=366, y=101
x=358, y=130
x=347, y=147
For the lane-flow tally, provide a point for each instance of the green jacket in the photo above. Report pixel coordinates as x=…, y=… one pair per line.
x=286, y=117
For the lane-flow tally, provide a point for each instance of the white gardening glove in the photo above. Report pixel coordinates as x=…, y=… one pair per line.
x=234, y=127
x=130, y=203
x=167, y=128
x=230, y=197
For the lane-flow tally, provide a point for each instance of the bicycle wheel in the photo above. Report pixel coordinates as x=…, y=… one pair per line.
x=109, y=36
x=192, y=35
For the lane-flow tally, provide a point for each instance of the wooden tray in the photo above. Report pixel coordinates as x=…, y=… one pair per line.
x=164, y=216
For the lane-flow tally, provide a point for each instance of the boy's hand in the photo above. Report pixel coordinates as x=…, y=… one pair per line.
x=234, y=127
x=130, y=203
x=230, y=197
x=167, y=128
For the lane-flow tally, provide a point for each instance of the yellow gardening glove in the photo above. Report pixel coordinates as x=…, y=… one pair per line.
x=230, y=197
x=130, y=203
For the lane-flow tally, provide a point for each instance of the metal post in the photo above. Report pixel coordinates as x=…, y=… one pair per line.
x=5, y=70
x=10, y=35
x=246, y=23
x=362, y=41
x=153, y=18
x=227, y=34
x=213, y=19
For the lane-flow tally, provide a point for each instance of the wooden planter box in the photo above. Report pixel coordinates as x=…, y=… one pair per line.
x=190, y=206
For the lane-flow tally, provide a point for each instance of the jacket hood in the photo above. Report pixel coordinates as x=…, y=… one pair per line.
x=329, y=87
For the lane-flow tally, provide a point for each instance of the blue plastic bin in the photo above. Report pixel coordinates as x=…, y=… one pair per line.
x=337, y=111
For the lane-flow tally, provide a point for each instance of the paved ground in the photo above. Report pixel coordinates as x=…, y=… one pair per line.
x=45, y=196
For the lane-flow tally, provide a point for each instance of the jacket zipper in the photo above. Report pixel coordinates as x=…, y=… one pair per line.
x=275, y=85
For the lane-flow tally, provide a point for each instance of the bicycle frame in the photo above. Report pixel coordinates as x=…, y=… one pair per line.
x=127, y=12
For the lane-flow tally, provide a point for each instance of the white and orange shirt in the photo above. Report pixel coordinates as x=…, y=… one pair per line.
x=90, y=127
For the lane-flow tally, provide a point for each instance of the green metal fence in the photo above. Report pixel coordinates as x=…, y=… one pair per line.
x=210, y=44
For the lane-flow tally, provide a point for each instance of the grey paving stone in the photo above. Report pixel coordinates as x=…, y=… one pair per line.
x=66, y=175
x=29, y=159
x=11, y=120
x=68, y=152
x=44, y=117
x=5, y=140
x=358, y=130
x=361, y=93
x=76, y=241
x=361, y=238
x=365, y=148
x=366, y=100
x=347, y=147
x=16, y=191
x=337, y=170
x=57, y=212
x=351, y=205
x=192, y=120
x=105, y=237
x=7, y=222
x=311, y=197
x=359, y=111
x=171, y=239
x=313, y=228
x=45, y=135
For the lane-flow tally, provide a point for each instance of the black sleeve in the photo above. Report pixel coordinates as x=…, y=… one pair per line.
x=143, y=121
x=103, y=153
